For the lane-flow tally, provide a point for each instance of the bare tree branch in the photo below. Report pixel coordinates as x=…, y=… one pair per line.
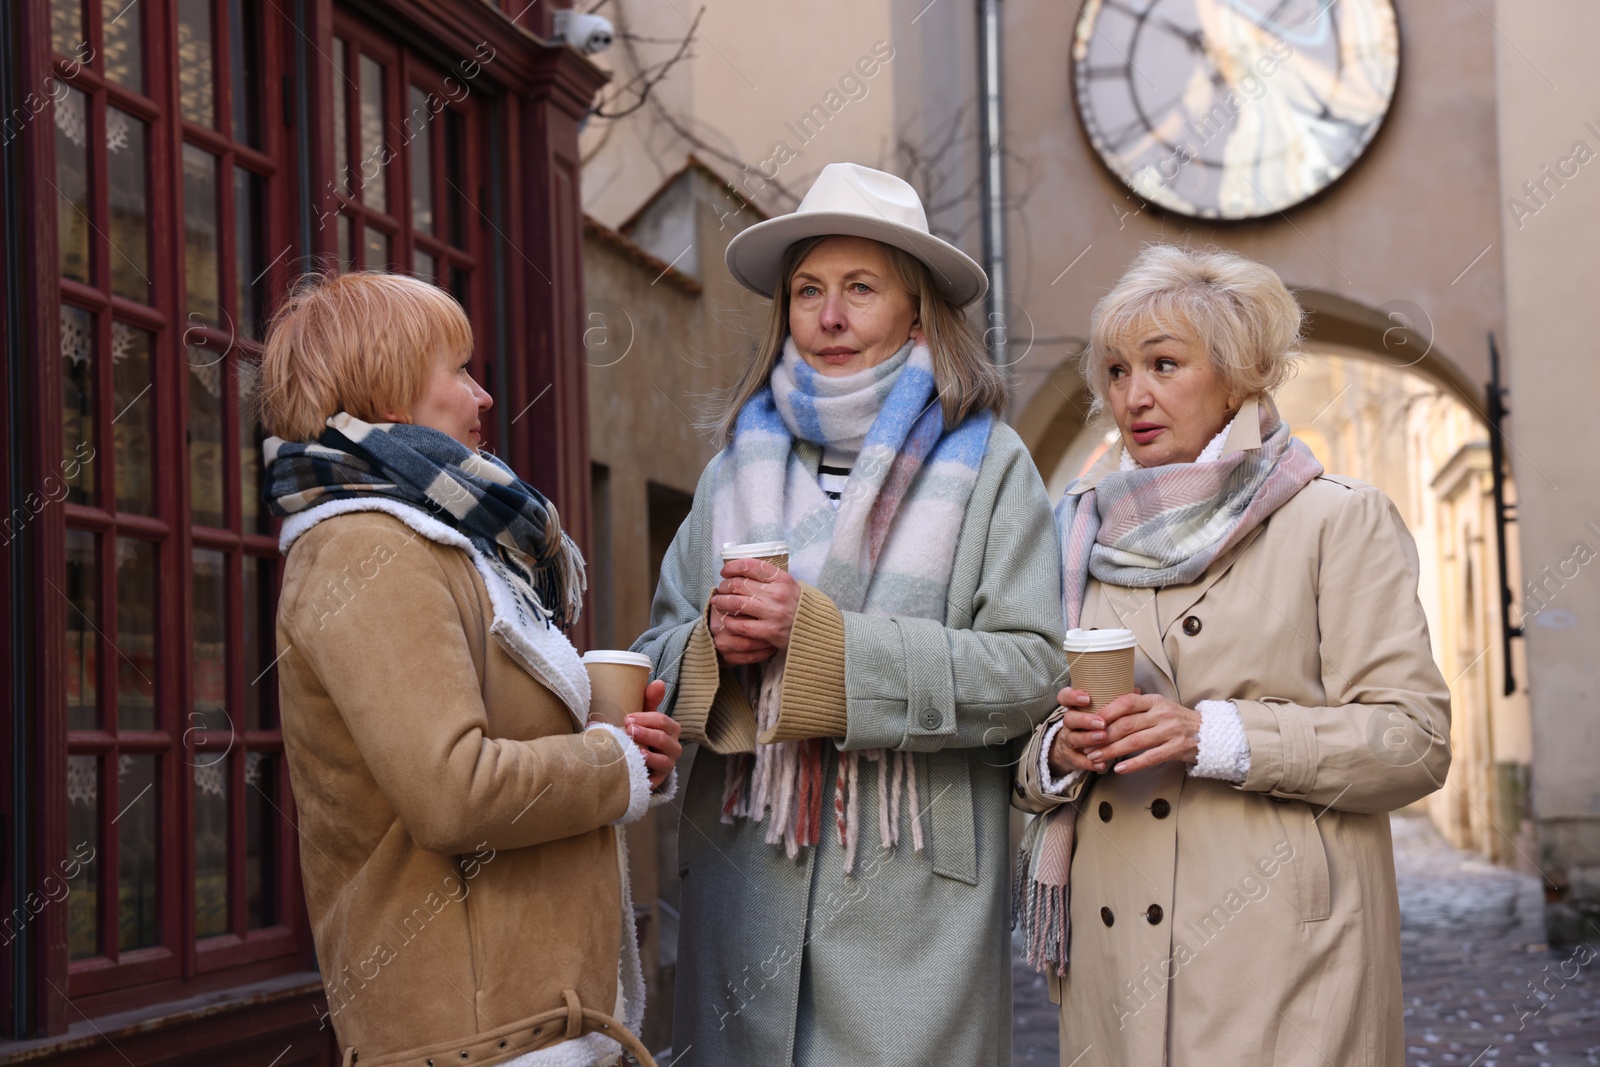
x=612, y=105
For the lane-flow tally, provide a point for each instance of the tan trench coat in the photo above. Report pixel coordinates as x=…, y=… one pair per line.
x=1258, y=924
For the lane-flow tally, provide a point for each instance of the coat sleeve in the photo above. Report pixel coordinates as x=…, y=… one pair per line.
x=916, y=685
x=394, y=660
x=1384, y=739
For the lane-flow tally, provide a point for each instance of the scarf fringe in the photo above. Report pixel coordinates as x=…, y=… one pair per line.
x=1041, y=904
x=786, y=781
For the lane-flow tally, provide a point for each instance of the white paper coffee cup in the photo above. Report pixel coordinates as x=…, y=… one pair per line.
x=773, y=552
x=1101, y=663
x=617, y=681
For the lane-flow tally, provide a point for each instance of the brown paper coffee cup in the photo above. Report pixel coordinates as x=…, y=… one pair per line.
x=1101, y=664
x=773, y=552
x=617, y=680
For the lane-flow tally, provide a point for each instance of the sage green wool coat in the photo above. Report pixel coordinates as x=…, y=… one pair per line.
x=908, y=961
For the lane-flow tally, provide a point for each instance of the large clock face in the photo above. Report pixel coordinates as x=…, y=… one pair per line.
x=1233, y=109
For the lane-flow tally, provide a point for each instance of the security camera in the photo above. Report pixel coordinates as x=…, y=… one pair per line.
x=587, y=33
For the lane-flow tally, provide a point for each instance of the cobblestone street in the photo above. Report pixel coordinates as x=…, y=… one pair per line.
x=1481, y=987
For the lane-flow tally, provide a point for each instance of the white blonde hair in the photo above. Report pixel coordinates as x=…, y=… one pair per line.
x=1238, y=310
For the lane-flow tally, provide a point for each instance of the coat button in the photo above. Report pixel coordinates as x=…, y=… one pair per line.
x=1160, y=808
x=1191, y=625
x=1021, y=789
x=1154, y=914
x=1105, y=816
x=1106, y=916
x=931, y=719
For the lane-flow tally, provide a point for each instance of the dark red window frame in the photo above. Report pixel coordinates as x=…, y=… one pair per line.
x=177, y=962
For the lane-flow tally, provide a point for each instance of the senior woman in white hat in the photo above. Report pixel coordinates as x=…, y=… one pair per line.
x=1232, y=888
x=845, y=854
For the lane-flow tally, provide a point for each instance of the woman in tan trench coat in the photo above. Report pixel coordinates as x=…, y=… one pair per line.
x=1232, y=889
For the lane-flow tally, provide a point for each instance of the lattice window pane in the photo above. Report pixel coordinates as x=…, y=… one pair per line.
x=138, y=872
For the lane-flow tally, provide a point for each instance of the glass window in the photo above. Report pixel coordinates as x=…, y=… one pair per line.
x=377, y=250
x=421, y=152
x=210, y=845
x=77, y=403
x=250, y=436
x=200, y=265
x=210, y=607
x=136, y=634
x=132, y=423
x=66, y=25
x=242, y=45
x=260, y=846
x=207, y=463
x=374, y=173
x=248, y=268
x=72, y=183
x=260, y=636
x=155, y=551
x=196, y=78
x=138, y=904
x=83, y=848
x=341, y=119
x=120, y=33
x=83, y=631
x=128, y=185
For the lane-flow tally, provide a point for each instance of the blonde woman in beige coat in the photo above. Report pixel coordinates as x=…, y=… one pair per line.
x=1231, y=887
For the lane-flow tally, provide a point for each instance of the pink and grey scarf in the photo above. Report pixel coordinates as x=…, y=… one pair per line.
x=1146, y=528
x=888, y=549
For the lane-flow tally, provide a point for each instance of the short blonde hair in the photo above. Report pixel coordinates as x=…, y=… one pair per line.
x=966, y=380
x=357, y=342
x=1237, y=309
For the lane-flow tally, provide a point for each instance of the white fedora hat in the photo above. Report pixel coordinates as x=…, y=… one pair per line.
x=855, y=201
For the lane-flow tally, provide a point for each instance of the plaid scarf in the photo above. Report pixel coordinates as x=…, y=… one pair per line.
x=887, y=549
x=508, y=521
x=1152, y=527
x=1146, y=528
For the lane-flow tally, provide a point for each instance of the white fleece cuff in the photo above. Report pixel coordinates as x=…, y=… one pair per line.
x=1054, y=786
x=638, y=774
x=1224, y=749
x=668, y=790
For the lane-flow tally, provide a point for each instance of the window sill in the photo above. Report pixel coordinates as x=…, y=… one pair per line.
x=141, y=1022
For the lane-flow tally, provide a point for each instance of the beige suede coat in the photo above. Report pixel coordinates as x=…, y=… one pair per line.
x=1258, y=925
x=461, y=869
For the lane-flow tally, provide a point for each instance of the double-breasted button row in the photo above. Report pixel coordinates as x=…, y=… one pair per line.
x=1160, y=808
x=1191, y=625
x=1153, y=915
x=1105, y=811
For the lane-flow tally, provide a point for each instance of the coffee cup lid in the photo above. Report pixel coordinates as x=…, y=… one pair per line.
x=1098, y=640
x=755, y=549
x=619, y=656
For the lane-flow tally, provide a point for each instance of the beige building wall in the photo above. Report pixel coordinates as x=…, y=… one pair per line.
x=1549, y=101
x=774, y=92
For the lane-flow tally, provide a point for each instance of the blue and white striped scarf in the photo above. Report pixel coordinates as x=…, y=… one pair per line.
x=887, y=549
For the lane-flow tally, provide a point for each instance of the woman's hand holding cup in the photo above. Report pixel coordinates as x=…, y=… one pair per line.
x=1134, y=731
x=1081, y=731
x=752, y=610
x=655, y=734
